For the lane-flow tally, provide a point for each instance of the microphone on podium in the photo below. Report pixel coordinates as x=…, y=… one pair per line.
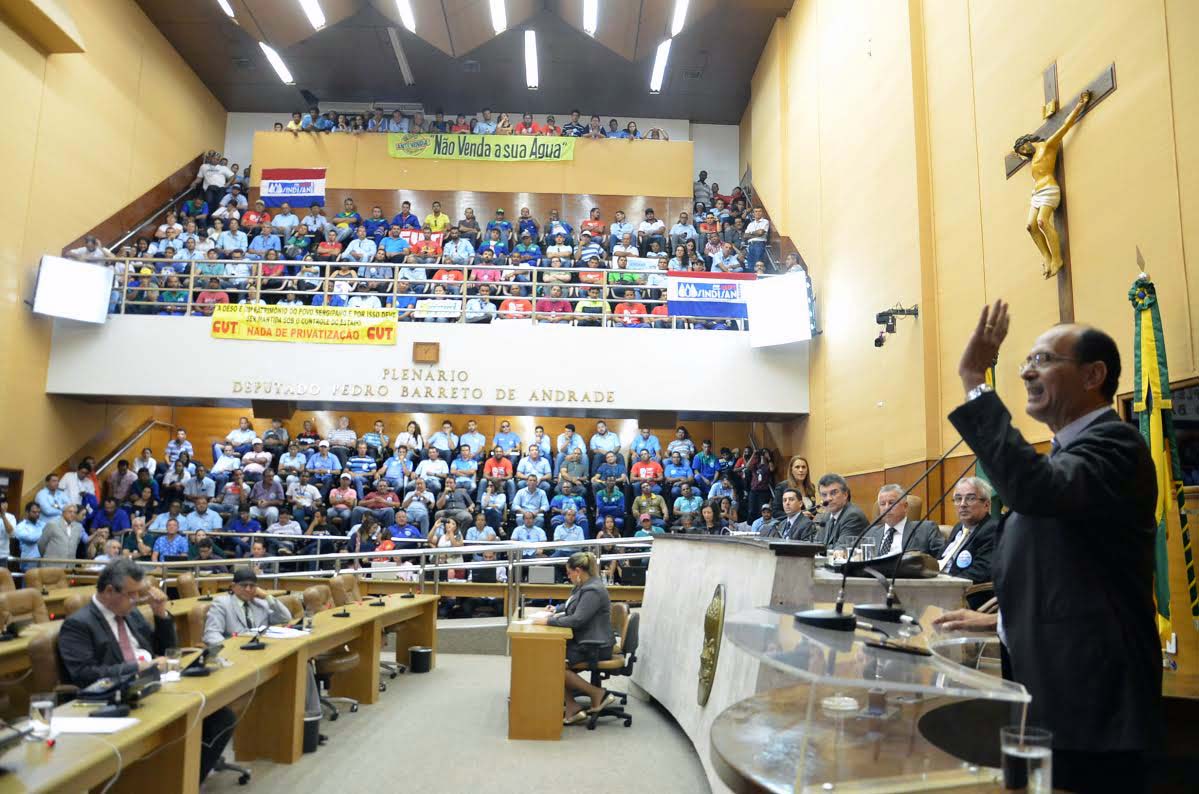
x=835, y=618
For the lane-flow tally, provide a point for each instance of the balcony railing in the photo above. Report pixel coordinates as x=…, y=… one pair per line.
x=436, y=291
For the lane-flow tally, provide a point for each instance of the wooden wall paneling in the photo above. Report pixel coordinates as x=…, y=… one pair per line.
x=904, y=476
x=863, y=488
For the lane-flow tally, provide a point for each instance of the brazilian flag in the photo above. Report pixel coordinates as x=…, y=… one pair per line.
x=1154, y=410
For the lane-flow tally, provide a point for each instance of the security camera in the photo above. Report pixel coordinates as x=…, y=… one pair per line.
x=882, y=318
x=881, y=339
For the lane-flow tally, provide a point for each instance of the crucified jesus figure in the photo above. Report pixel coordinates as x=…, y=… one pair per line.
x=1046, y=192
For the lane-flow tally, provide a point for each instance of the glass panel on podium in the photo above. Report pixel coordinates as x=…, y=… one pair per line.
x=864, y=711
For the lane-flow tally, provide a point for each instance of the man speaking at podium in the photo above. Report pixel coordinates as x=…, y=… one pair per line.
x=1073, y=567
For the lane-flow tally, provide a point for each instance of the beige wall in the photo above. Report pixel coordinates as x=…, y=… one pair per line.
x=88, y=134
x=878, y=135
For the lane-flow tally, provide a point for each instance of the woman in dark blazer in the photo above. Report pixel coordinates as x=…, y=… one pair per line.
x=588, y=613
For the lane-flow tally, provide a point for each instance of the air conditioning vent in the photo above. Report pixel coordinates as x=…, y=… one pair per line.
x=471, y=67
x=693, y=74
x=242, y=63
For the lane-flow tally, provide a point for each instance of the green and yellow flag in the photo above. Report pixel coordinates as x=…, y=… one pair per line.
x=1154, y=410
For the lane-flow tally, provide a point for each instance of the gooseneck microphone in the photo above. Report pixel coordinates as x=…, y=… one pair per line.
x=257, y=644
x=892, y=611
x=835, y=618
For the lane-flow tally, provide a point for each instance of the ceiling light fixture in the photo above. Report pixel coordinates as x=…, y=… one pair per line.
x=655, y=80
x=401, y=58
x=531, y=59
x=499, y=16
x=277, y=62
x=312, y=9
x=590, y=16
x=680, y=16
x=405, y=9
x=224, y=4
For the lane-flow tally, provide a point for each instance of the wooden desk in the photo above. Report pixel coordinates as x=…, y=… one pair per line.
x=537, y=682
x=56, y=600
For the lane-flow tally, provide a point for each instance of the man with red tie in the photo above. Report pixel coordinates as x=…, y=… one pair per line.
x=110, y=638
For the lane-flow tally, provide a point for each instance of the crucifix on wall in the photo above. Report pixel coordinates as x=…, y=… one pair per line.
x=1046, y=225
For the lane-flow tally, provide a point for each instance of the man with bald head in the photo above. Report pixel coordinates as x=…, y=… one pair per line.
x=1073, y=566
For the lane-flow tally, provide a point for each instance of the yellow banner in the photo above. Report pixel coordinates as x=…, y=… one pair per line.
x=497, y=148
x=328, y=325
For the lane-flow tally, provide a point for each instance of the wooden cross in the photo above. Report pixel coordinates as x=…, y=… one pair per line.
x=1100, y=88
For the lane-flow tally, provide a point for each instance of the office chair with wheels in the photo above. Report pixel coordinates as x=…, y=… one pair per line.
x=25, y=606
x=196, y=619
x=319, y=598
x=344, y=589
x=187, y=586
x=7, y=585
x=620, y=664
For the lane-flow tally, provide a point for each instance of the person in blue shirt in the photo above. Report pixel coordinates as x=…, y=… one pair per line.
x=531, y=498
x=464, y=468
x=508, y=442
x=529, y=532
x=473, y=438
x=445, y=441
x=527, y=224
x=172, y=544
x=555, y=226
x=323, y=465
x=376, y=225
x=396, y=470
x=610, y=501
x=630, y=132
x=376, y=440
x=362, y=467
x=567, y=500
x=502, y=225
x=704, y=464
x=174, y=511
x=541, y=441
x=495, y=243
x=405, y=219
x=536, y=467
x=677, y=472
x=612, y=467
x=394, y=247
x=111, y=517
x=526, y=251
x=485, y=125
x=266, y=240
x=602, y=442
x=245, y=525
x=568, y=439
x=646, y=440
x=28, y=532
x=402, y=530
x=568, y=530
x=202, y=517
x=51, y=499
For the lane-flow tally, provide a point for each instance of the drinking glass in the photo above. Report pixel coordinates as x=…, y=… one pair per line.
x=1027, y=759
x=41, y=707
x=867, y=551
x=173, y=657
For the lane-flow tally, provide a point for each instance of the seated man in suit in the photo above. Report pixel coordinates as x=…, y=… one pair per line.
x=794, y=525
x=110, y=638
x=968, y=552
x=842, y=521
x=244, y=610
x=896, y=534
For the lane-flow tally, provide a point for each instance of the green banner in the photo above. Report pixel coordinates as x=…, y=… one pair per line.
x=497, y=148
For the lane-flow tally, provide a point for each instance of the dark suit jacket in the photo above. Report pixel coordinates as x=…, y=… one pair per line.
x=981, y=545
x=1073, y=572
x=850, y=524
x=922, y=536
x=801, y=528
x=89, y=649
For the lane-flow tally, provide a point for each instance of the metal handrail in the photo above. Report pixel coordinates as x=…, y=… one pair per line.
x=151, y=218
x=255, y=285
x=114, y=456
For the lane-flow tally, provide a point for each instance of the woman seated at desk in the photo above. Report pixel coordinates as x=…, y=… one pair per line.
x=588, y=613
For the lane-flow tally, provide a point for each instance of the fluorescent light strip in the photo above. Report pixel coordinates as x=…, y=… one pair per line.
x=312, y=9
x=401, y=58
x=224, y=4
x=277, y=63
x=655, y=80
x=531, y=59
x=499, y=16
x=680, y=16
x=405, y=9
x=590, y=16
